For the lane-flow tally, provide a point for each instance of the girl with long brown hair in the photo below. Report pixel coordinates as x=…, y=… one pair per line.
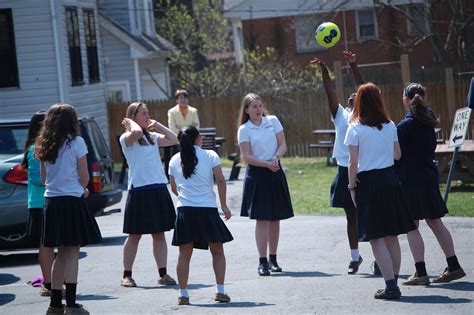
x=375, y=190
x=68, y=224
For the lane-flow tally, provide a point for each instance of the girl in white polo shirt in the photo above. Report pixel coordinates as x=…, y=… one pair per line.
x=68, y=224
x=149, y=208
x=266, y=197
x=192, y=173
x=374, y=186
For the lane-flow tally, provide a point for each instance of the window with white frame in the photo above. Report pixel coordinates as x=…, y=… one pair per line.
x=8, y=64
x=305, y=27
x=149, y=18
x=366, y=24
x=417, y=23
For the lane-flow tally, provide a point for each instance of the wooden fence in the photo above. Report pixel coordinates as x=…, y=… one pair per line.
x=300, y=113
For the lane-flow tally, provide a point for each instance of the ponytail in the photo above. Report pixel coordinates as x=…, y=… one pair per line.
x=422, y=113
x=189, y=160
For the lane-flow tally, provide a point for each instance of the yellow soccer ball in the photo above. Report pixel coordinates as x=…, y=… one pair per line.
x=327, y=34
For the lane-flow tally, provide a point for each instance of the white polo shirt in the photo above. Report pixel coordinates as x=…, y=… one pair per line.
x=341, y=123
x=375, y=146
x=197, y=190
x=144, y=163
x=262, y=138
x=62, y=176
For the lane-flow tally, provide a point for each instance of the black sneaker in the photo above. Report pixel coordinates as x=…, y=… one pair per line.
x=274, y=267
x=392, y=294
x=375, y=269
x=354, y=266
x=263, y=270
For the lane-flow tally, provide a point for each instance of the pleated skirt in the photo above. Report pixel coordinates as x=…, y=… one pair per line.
x=266, y=195
x=200, y=226
x=68, y=222
x=148, y=210
x=381, y=206
x=340, y=195
x=35, y=225
x=425, y=201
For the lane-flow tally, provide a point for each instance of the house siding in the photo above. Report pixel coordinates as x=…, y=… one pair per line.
x=116, y=10
x=37, y=65
x=119, y=65
x=89, y=99
x=38, y=81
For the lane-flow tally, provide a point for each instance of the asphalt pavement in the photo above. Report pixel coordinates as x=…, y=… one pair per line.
x=313, y=253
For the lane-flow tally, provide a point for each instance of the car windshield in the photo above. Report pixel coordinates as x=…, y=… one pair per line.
x=12, y=139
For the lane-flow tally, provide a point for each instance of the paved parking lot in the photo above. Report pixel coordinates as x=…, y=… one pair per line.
x=313, y=253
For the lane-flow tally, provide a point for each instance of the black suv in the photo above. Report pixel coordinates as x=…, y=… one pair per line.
x=14, y=211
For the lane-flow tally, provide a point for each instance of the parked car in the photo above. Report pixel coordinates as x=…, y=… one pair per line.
x=14, y=213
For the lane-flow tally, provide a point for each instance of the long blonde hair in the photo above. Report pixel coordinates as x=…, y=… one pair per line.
x=132, y=111
x=246, y=101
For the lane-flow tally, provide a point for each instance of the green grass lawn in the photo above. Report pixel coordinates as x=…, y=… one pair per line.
x=309, y=180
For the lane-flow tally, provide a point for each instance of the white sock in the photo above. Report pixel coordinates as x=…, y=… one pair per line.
x=183, y=292
x=355, y=254
x=220, y=288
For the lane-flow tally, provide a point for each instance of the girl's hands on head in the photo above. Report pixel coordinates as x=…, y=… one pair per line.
x=152, y=124
x=227, y=213
x=127, y=123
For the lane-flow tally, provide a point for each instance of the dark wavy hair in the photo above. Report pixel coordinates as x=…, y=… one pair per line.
x=419, y=109
x=59, y=126
x=33, y=130
x=368, y=106
x=132, y=111
x=187, y=140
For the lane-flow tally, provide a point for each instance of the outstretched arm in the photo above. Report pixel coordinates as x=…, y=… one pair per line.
x=330, y=93
x=352, y=59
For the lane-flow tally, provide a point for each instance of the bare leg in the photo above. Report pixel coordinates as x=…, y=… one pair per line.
x=261, y=236
x=46, y=258
x=417, y=246
x=58, y=269
x=182, y=267
x=393, y=247
x=160, y=249
x=72, y=263
x=130, y=251
x=273, y=236
x=383, y=258
x=218, y=261
x=443, y=236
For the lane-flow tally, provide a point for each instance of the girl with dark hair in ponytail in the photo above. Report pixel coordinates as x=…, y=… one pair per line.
x=420, y=182
x=149, y=208
x=36, y=200
x=198, y=225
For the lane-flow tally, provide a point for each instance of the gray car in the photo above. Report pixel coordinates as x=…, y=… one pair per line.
x=14, y=213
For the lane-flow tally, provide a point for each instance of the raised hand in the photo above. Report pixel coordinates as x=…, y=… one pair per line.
x=318, y=61
x=127, y=123
x=350, y=56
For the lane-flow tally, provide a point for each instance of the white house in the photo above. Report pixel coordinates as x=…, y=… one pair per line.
x=80, y=52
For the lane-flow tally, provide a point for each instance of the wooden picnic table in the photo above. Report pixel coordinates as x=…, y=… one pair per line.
x=464, y=164
x=325, y=144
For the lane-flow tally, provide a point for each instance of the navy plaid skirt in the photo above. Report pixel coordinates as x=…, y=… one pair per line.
x=425, y=201
x=149, y=210
x=199, y=226
x=68, y=222
x=340, y=195
x=381, y=206
x=266, y=195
